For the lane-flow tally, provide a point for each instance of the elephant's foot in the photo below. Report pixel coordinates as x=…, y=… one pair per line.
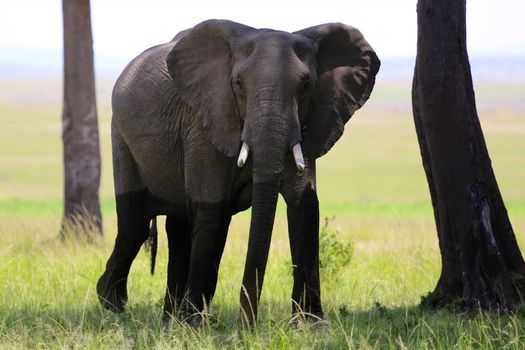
x=170, y=313
x=172, y=306
x=193, y=320
x=185, y=312
x=312, y=321
x=196, y=320
x=112, y=293
x=246, y=321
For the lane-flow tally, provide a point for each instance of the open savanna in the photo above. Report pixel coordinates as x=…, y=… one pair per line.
x=371, y=187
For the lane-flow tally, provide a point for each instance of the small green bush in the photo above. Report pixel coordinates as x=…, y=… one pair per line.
x=333, y=254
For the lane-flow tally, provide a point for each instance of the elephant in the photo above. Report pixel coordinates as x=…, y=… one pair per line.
x=221, y=118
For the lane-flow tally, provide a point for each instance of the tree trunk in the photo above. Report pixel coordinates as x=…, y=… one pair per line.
x=482, y=266
x=79, y=123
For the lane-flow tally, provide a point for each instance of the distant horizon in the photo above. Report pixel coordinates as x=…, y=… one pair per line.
x=38, y=63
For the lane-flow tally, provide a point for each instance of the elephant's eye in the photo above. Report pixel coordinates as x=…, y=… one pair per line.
x=238, y=82
x=306, y=84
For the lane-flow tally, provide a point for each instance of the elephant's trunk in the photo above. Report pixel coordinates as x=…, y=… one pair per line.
x=270, y=143
x=263, y=213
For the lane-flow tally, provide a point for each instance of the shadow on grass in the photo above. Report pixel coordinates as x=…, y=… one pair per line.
x=422, y=327
x=378, y=327
x=140, y=325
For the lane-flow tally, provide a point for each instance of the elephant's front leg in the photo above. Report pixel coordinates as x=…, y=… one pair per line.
x=210, y=224
x=303, y=228
x=207, y=180
x=179, y=245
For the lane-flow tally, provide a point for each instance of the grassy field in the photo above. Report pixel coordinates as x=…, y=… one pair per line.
x=371, y=187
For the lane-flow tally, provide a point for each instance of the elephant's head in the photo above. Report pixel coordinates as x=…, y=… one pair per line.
x=271, y=92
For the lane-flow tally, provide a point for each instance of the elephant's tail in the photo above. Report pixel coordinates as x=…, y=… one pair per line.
x=151, y=243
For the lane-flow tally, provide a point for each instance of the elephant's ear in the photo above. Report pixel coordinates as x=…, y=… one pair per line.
x=200, y=64
x=346, y=70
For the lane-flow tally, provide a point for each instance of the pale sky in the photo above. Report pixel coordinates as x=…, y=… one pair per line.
x=124, y=28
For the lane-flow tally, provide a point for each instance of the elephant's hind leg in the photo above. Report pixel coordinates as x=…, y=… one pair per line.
x=179, y=244
x=133, y=231
x=132, y=219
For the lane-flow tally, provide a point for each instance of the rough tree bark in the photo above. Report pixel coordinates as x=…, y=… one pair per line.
x=79, y=122
x=482, y=266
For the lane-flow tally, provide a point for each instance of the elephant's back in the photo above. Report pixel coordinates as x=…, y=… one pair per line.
x=143, y=103
x=143, y=81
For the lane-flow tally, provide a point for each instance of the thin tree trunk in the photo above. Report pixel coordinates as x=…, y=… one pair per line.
x=79, y=122
x=482, y=266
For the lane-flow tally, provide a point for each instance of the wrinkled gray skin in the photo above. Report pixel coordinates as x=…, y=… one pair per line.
x=180, y=113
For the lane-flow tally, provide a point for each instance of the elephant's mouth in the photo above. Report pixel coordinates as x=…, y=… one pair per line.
x=296, y=151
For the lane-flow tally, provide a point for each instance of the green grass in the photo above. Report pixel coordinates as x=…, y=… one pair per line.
x=371, y=183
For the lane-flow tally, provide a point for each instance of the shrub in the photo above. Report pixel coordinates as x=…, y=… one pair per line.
x=333, y=254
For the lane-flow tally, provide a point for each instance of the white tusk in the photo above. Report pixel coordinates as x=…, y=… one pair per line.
x=298, y=156
x=243, y=155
